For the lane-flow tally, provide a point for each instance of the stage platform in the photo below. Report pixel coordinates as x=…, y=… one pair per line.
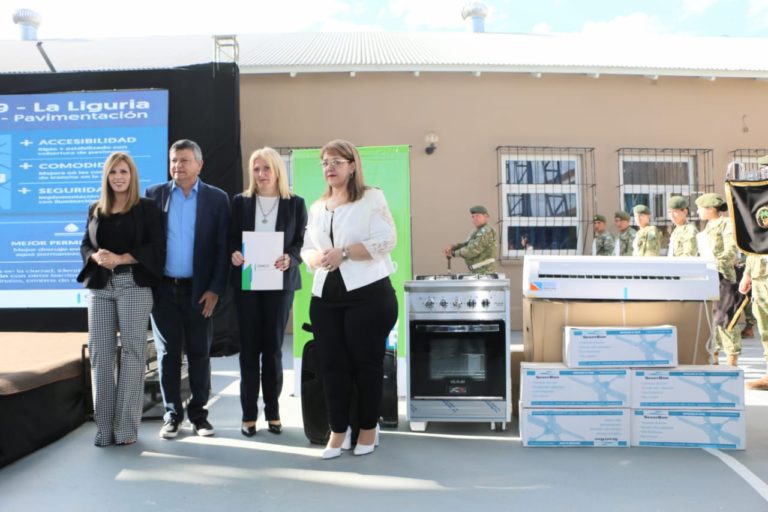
x=43, y=390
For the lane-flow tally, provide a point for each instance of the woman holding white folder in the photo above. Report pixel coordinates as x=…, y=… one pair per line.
x=267, y=205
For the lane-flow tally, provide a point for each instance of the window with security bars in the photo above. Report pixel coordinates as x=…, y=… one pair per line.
x=650, y=176
x=547, y=196
x=744, y=165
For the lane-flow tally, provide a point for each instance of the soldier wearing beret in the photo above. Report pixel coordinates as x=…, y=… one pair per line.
x=682, y=242
x=479, y=250
x=626, y=234
x=717, y=241
x=648, y=238
x=602, y=242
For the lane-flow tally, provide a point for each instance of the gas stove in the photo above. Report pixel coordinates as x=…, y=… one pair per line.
x=457, y=349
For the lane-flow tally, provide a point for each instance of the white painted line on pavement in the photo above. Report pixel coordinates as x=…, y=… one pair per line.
x=740, y=469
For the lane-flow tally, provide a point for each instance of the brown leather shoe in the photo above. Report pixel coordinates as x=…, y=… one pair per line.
x=759, y=384
x=733, y=359
x=748, y=331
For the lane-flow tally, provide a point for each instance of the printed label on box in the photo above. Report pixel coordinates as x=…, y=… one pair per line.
x=574, y=427
x=589, y=347
x=554, y=385
x=689, y=429
x=688, y=387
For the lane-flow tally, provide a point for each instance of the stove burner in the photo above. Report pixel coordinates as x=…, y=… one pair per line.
x=437, y=277
x=469, y=277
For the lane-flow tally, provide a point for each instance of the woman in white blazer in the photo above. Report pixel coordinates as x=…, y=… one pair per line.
x=350, y=235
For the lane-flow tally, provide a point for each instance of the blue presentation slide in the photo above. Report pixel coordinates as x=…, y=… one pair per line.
x=52, y=151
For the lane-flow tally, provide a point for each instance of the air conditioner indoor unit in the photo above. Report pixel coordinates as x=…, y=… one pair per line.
x=619, y=278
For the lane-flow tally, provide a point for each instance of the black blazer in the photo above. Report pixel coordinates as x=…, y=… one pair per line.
x=291, y=220
x=210, y=263
x=149, y=251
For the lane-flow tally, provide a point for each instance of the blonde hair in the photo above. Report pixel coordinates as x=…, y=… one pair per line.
x=107, y=197
x=275, y=162
x=346, y=150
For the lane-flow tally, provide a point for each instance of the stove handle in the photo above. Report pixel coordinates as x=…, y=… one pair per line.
x=458, y=328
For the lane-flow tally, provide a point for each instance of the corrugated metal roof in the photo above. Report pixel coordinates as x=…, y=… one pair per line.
x=385, y=51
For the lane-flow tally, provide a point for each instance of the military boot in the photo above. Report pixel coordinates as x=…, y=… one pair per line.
x=759, y=384
x=733, y=359
x=748, y=331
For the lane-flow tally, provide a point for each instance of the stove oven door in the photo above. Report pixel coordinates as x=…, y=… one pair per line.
x=457, y=360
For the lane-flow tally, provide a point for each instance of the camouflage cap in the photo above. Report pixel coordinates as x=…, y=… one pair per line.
x=478, y=209
x=641, y=208
x=763, y=160
x=598, y=218
x=620, y=214
x=710, y=200
x=677, y=203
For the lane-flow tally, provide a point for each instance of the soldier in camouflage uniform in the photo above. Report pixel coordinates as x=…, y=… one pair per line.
x=602, y=243
x=479, y=250
x=683, y=239
x=718, y=242
x=756, y=279
x=626, y=234
x=648, y=238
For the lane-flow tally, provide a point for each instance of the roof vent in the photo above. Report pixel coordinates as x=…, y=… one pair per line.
x=29, y=21
x=475, y=12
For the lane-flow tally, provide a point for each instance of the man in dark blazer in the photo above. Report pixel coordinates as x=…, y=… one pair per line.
x=196, y=218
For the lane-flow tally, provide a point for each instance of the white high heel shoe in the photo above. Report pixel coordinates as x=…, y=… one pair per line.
x=332, y=453
x=365, y=449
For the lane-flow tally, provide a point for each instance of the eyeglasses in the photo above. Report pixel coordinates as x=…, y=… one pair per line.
x=333, y=163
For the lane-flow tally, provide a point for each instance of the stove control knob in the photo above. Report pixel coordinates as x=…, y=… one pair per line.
x=429, y=303
x=485, y=303
x=457, y=303
x=443, y=303
x=471, y=303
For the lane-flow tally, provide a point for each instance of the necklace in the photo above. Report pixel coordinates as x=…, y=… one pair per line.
x=264, y=214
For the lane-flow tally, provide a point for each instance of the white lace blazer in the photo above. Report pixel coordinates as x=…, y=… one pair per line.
x=367, y=220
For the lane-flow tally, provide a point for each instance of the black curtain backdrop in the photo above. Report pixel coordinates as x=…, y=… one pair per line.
x=204, y=106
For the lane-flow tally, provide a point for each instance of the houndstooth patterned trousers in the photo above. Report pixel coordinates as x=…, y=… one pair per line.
x=120, y=306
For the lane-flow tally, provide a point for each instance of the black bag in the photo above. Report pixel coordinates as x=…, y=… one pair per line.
x=313, y=410
x=313, y=413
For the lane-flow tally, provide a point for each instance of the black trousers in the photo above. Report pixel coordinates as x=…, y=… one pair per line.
x=177, y=324
x=262, y=316
x=351, y=330
x=725, y=308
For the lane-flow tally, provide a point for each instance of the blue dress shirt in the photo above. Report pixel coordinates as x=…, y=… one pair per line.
x=182, y=212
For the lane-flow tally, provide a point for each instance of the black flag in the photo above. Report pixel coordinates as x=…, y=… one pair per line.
x=748, y=208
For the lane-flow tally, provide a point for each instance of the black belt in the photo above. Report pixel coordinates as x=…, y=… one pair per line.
x=121, y=269
x=178, y=281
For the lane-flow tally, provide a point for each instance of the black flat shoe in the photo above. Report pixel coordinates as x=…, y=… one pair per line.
x=248, y=431
x=275, y=428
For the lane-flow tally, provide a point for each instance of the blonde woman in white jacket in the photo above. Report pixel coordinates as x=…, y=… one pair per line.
x=350, y=235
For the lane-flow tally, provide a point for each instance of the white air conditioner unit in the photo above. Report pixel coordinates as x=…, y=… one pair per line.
x=619, y=278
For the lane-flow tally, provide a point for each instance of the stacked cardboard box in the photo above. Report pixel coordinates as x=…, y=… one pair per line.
x=599, y=397
x=561, y=406
x=696, y=406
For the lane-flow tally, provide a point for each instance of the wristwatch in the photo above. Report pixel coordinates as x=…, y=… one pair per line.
x=344, y=254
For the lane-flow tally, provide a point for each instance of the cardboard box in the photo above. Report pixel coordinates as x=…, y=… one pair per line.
x=544, y=320
x=574, y=427
x=555, y=385
x=625, y=347
x=688, y=387
x=689, y=429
